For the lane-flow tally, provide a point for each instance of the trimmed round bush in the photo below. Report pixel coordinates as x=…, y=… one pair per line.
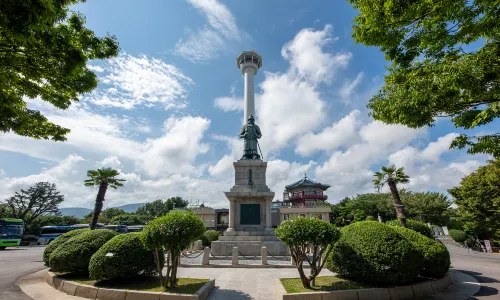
x=418, y=226
x=74, y=255
x=436, y=257
x=370, y=218
x=209, y=236
x=130, y=258
x=372, y=253
x=57, y=242
x=458, y=235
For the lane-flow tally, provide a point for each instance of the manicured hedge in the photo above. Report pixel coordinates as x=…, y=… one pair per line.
x=373, y=253
x=129, y=258
x=57, y=242
x=209, y=236
x=436, y=257
x=370, y=218
x=74, y=255
x=418, y=226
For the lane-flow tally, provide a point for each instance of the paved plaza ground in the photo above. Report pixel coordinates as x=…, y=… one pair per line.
x=241, y=283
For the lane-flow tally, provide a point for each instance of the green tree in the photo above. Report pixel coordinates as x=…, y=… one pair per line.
x=103, y=178
x=43, y=198
x=110, y=213
x=130, y=219
x=176, y=202
x=301, y=233
x=154, y=209
x=434, y=71
x=392, y=177
x=43, y=54
x=428, y=207
x=101, y=219
x=174, y=232
x=4, y=211
x=478, y=200
x=373, y=204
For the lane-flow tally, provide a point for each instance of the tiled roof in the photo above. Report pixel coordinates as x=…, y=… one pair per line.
x=306, y=182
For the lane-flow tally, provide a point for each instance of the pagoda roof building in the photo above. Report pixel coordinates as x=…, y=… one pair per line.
x=306, y=182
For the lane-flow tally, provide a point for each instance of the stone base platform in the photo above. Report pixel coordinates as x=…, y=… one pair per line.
x=249, y=245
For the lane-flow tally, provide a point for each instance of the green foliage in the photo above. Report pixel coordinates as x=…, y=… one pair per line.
x=209, y=236
x=160, y=208
x=74, y=255
x=57, y=242
x=429, y=207
x=174, y=232
x=417, y=226
x=299, y=234
x=44, y=54
x=436, y=261
x=458, y=235
x=372, y=253
x=130, y=219
x=154, y=209
x=478, y=200
x=110, y=213
x=433, y=73
x=42, y=198
x=371, y=218
x=130, y=258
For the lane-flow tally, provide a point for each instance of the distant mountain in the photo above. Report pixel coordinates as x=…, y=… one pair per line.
x=130, y=208
x=78, y=212
x=81, y=212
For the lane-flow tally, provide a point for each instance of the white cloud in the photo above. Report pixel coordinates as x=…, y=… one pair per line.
x=132, y=81
x=348, y=88
x=209, y=42
x=434, y=150
x=110, y=162
x=342, y=133
x=307, y=58
x=97, y=69
x=176, y=150
x=229, y=103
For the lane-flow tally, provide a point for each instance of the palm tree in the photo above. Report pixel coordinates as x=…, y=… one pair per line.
x=392, y=177
x=103, y=178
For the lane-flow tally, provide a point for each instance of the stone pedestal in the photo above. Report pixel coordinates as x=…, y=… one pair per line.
x=250, y=224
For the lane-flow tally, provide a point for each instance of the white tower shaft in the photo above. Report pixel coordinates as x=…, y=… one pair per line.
x=249, y=101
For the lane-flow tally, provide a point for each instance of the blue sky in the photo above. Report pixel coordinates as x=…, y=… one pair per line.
x=167, y=111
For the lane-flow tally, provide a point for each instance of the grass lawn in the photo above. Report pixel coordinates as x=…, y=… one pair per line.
x=323, y=283
x=141, y=283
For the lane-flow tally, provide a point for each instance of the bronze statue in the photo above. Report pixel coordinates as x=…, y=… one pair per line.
x=250, y=133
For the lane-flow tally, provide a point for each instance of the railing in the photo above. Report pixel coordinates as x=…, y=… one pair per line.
x=300, y=205
x=304, y=195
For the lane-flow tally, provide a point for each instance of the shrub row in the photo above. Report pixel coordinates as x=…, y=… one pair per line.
x=208, y=237
x=101, y=253
x=373, y=253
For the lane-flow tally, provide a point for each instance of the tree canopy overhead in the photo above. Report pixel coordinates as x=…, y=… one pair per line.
x=43, y=54
x=435, y=70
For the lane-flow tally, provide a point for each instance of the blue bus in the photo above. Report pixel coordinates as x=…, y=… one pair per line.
x=50, y=233
x=11, y=231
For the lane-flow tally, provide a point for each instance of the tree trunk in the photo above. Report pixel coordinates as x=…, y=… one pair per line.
x=397, y=203
x=303, y=277
x=175, y=263
x=98, y=205
x=159, y=268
